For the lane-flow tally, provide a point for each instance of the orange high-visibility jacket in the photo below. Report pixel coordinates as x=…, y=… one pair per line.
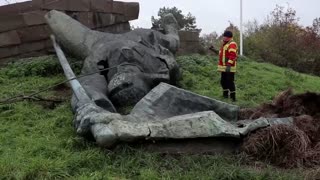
x=228, y=56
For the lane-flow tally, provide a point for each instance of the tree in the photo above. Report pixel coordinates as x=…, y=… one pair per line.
x=235, y=31
x=316, y=26
x=186, y=22
x=208, y=40
x=251, y=27
x=213, y=39
x=282, y=41
x=282, y=17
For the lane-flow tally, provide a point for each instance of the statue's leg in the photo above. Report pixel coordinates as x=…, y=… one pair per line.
x=95, y=85
x=71, y=34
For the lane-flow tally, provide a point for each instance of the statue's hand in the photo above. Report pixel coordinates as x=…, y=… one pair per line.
x=90, y=114
x=109, y=128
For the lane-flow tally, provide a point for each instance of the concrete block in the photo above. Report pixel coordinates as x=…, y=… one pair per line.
x=12, y=22
x=189, y=36
x=116, y=28
x=29, y=47
x=6, y=52
x=65, y=5
x=37, y=3
x=34, y=18
x=9, y=38
x=23, y=48
x=34, y=33
x=118, y=7
x=97, y=19
x=17, y=8
x=166, y=101
x=103, y=19
x=102, y=6
x=86, y=18
x=131, y=10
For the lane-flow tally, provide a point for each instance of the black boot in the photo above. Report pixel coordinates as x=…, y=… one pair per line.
x=226, y=94
x=233, y=96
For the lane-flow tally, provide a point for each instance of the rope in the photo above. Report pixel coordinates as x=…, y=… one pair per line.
x=22, y=97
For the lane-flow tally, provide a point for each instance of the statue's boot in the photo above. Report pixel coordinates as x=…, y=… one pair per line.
x=72, y=35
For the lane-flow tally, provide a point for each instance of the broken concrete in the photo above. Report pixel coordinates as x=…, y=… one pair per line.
x=247, y=126
x=197, y=125
x=165, y=101
x=110, y=128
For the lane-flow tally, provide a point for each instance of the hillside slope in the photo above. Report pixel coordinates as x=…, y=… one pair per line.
x=38, y=141
x=256, y=82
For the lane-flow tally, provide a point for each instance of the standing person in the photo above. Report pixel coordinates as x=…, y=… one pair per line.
x=227, y=64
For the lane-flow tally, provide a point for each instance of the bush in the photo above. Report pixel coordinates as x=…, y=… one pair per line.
x=282, y=41
x=39, y=66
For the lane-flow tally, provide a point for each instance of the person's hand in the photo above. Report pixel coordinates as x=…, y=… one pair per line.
x=212, y=48
x=228, y=69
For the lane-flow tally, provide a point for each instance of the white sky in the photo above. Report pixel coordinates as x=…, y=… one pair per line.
x=214, y=15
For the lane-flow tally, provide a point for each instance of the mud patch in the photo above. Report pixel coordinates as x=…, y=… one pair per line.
x=61, y=93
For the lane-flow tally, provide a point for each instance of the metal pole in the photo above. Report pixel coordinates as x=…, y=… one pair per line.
x=241, y=30
x=78, y=90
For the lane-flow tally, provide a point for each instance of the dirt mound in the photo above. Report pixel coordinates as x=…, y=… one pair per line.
x=275, y=144
x=287, y=145
x=286, y=104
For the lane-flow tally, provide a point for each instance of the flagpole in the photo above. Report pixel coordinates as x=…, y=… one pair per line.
x=241, y=30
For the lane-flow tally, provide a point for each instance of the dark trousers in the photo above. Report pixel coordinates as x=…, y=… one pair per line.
x=227, y=84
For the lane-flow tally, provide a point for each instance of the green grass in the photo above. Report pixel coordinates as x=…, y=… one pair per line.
x=256, y=82
x=40, y=143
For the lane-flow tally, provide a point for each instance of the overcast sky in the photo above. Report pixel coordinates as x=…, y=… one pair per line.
x=214, y=15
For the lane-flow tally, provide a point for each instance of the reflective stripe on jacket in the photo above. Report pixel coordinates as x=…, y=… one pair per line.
x=228, y=56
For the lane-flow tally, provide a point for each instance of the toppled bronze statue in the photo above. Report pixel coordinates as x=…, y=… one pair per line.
x=142, y=65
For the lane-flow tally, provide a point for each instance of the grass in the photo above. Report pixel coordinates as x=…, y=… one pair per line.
x=256, y=82
x=40, y=143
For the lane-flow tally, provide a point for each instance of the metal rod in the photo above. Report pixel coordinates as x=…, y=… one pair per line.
x=241, y=30
x=78, y=90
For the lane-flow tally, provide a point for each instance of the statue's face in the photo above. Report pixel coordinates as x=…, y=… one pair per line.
x=138, y=73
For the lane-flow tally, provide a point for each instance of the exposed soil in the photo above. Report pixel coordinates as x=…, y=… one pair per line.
x=287, y=146
x=61, y=94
